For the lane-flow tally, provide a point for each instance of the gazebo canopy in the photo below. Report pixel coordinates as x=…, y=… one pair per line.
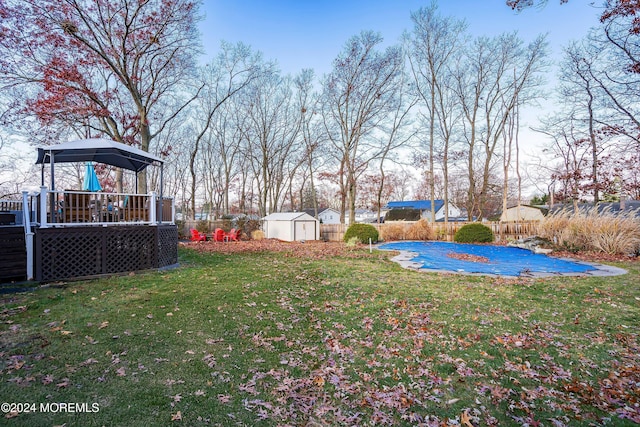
x=98, y=150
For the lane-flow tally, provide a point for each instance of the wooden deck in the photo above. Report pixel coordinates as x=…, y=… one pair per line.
x=76, y=234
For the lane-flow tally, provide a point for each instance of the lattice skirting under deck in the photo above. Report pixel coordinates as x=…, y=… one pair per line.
x=77, y=252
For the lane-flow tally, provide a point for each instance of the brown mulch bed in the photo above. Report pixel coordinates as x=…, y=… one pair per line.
x=308, y=249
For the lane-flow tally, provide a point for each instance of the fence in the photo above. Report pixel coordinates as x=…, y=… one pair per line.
x=443, y=231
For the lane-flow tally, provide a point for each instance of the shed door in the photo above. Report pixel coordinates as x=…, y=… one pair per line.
x=305, y=230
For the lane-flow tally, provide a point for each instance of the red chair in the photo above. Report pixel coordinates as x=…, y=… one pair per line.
x=197, y=236
x=234, y=235
x=219, y=235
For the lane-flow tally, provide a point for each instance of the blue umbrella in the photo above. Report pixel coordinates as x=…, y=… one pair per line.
x=91, y=182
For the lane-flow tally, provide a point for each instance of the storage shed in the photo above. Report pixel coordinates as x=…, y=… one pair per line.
x=291, y=226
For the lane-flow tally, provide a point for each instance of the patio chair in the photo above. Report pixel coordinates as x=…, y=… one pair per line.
x=197, y=236
x=234, y=235
x=219, y=235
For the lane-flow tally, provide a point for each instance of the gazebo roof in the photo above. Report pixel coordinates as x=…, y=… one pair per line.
x=98, y=150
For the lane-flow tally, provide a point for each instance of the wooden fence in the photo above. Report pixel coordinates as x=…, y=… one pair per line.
x=503, y=231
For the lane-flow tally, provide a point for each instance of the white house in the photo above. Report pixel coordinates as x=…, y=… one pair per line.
x=291, y=226
x=424, y=206
x=326, y=215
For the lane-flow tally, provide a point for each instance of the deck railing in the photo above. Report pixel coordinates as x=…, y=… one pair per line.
x=74, y=208
x=11, y=211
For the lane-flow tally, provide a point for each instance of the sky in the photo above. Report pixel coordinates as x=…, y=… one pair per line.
x=302, y=34
x=310, y=34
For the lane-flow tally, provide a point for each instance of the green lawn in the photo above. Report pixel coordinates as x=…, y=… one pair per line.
x=296, y=339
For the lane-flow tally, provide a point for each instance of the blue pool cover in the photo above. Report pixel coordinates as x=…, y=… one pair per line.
x=503, y=260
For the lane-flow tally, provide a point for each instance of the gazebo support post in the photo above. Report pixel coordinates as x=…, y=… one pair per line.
x=52, y=196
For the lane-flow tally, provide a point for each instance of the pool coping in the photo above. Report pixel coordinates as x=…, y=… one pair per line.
x=600, y=270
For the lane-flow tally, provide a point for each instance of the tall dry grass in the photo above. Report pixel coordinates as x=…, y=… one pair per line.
x=401, y=230
x=420, y=230
x=590, y=230
x=393, y=231
x=257, y=235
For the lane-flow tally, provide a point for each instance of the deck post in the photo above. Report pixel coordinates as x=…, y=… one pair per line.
x=43, y=207
x=28, y=233
x=153, y=208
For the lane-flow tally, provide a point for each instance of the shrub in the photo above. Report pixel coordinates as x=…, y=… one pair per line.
x=183, y=230
x=393, y=231
x=203, y=226
x=474, y=233
x=420, y=230
x=248, y=226
x=353, y=241
x=363, y=232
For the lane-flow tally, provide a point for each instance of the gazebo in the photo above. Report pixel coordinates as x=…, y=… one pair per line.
x=78, y=234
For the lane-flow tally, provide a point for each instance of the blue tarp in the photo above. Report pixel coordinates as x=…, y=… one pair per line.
x=502, y=260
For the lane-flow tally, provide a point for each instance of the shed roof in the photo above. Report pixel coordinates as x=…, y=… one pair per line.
x=289, y=216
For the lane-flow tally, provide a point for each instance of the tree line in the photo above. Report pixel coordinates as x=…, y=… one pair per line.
x=238, y=135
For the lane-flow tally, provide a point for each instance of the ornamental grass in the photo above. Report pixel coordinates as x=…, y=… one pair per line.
x=607, y=232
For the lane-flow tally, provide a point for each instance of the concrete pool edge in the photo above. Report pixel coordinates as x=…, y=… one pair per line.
x=404, y=259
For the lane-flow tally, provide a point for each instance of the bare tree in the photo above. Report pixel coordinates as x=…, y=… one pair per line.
x=272, y=132
x=571, y=146
x=311, y=130
x=357, y=96
x=579, y=89
x=235, y=68
x=435, y=41
x=494, y=75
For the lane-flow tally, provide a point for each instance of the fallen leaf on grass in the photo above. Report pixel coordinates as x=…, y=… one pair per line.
x=103, y=325
x=465, y=419
x=177, y=416
x=89, y=361
x=121, y=372
x=224, y=398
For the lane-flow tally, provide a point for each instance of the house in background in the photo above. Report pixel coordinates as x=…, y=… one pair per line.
x=423, y=207
x=362, y=216
x=325, y=215
x=523, y=213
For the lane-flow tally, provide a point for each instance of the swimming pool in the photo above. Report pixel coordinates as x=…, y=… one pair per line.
x=498, y=260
